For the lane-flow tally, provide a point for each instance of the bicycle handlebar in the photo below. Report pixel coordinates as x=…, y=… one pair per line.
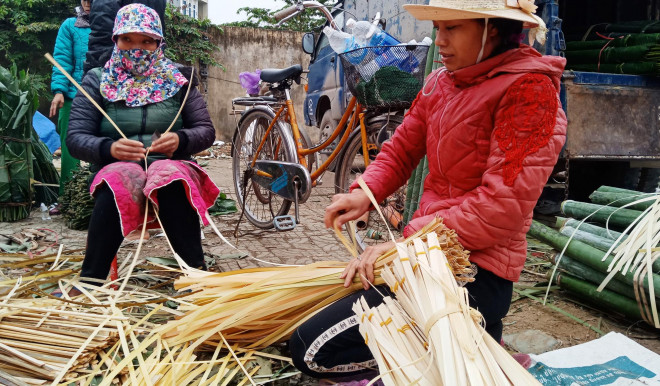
x=287, y=13
x=290, y=11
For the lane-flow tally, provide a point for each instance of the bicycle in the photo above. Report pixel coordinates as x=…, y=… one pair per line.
x=271, y=156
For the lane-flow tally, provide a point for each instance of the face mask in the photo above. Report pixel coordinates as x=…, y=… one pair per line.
x=138, y=61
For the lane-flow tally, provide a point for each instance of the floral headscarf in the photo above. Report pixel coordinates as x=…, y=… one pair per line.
x=138, y=76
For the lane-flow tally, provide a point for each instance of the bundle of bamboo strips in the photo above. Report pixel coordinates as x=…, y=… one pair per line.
x=429, y=335
x=257, y=307
x=262, y=306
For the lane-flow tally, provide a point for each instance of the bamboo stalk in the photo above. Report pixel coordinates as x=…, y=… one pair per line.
x=82, y=90
x=600, y=213
x=602, y=299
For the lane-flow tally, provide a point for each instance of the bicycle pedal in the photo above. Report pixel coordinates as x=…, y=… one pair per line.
x=284, y=223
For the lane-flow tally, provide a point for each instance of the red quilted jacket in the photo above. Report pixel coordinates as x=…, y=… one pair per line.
x=492, y=133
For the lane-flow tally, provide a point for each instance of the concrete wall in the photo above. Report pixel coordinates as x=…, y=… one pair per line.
x=247, y=49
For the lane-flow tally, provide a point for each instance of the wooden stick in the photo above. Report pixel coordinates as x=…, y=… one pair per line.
x=82, y=90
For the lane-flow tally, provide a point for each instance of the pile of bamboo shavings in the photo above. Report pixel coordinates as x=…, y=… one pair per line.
x=46, y=339
x=39, y=340
x=180, y=365
x=429, y=335
x=636, y=252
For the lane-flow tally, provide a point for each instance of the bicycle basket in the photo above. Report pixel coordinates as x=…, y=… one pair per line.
x=385, y=76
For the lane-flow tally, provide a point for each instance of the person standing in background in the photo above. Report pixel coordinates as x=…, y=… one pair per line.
x=70, y=50
x=102, y=18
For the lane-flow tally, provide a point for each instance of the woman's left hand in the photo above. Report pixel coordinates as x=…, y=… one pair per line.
x=166, y=144
x=364, y=265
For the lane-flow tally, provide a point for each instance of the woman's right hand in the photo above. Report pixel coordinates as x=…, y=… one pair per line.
x=346, y=207
x=128, y=150
x=57, y=103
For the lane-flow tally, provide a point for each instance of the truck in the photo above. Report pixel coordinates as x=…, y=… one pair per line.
x=327, y=94
x=613, y=134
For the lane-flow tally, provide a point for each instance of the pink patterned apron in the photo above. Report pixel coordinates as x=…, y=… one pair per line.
x=131, y=185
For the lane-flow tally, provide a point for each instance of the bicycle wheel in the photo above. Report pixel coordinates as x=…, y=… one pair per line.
x=260, y=204
x=371, y=230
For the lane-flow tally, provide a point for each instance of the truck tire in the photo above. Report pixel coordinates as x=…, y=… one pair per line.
x=328, y=126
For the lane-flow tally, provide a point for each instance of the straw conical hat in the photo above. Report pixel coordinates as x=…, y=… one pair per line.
x=522, y=10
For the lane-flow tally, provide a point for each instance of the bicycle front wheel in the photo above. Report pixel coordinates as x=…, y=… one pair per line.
x=371, y=230
x=260, y=205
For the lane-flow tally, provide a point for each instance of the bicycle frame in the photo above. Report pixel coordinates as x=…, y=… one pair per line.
x=353, y=111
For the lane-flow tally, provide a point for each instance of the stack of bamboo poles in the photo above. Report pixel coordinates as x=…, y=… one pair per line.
x=429, y=335
x=609, y=269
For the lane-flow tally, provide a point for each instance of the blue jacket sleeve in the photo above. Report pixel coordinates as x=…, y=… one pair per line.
x=64, y=55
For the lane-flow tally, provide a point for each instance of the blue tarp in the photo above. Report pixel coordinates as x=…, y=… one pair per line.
x=46, y=131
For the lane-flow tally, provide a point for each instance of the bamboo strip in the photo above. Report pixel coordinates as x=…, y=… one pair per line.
x=82, y=90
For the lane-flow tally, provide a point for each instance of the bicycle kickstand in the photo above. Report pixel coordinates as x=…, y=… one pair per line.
x=288, y=222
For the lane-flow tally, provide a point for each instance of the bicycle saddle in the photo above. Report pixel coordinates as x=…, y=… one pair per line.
x=274, y=75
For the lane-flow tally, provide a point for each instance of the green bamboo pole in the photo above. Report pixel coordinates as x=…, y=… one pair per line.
x=600, y=213
x=621, y=199
x=602, y=243
x=415, y=182
x=591, y=228
x=612, y=189
x=408, y=211
x=584, y=253
x=582, y=271
x=606, y=299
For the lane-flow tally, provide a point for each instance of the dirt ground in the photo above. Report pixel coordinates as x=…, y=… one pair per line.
x=309, y=242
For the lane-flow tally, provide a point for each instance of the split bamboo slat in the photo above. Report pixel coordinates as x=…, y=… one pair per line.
x=429, y=335
x=635, y=253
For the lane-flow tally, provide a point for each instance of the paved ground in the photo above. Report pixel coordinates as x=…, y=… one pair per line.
x=307, y=243
x=311, y=242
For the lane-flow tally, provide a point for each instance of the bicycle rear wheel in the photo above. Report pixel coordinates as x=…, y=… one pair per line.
x=260, y=205
x=371, y=230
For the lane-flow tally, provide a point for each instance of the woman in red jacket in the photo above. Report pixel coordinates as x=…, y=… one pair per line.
x=491, y=124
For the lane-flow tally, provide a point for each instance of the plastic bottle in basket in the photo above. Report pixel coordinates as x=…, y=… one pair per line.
x=340, y=41
x=383, y=41
x=399, y=57
x=362, y=31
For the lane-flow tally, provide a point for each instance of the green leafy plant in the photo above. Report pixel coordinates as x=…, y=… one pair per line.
x=18, y=101
x=188, y=39
x=76, y=202
x=28, y=29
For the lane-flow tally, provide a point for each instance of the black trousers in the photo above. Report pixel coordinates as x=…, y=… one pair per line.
x=329, y=345
x=180, y=223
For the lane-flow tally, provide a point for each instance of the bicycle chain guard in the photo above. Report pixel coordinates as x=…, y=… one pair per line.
x=279, y=177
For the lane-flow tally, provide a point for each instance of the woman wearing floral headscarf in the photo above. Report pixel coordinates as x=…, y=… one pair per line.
x=142, y=91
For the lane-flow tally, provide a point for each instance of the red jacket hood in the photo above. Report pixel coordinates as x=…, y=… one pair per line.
x=520, y=60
